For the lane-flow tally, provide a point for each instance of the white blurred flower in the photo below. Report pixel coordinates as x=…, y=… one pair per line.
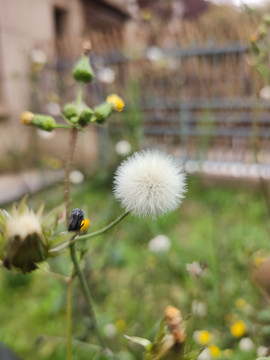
x=205, y=355
x=110, y=330
x=246, y=344
x=47, y=135
x=262, y=351
x=160, y=243
x=194, y=269
x=106, y=75
x=76, y=177
x=149, y=183
x=154, y=53
x=38, y=56
x=265, y=93
x=123, y=147
x=199, y=308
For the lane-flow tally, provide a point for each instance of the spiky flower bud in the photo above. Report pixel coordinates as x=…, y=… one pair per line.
x=82, y=71
x=85, y=116
x=70, y=110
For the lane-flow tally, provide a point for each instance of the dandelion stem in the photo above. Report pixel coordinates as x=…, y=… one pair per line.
x=103, y=230
x=86, y=292
x=72, y=143
x=69, y=318
x=63, y=126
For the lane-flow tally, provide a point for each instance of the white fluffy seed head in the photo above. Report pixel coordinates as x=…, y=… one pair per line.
x=150, y=183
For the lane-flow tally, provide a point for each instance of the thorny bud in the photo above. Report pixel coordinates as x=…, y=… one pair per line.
x=82, y=70
x=266, y=19
x=174, y=321
x=102, y=112
x=85, y=116
x=70, y=110
x=44, y=122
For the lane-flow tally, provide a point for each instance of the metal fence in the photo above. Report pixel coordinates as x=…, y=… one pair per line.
x=201, y=102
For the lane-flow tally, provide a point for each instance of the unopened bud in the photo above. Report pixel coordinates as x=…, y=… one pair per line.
x=70, y=110
x=85, y=117
x=102, y=112
x=82, y=71
x=44, y=122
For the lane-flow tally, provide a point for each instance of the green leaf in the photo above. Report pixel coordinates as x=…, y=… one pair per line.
x=138, y=340
x=192, y=355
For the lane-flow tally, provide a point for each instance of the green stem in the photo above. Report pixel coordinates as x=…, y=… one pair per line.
x=65, y=245
x=63, y=126
x=69, y=319
x=79, y=95
x=103, y=230
x=86, y=292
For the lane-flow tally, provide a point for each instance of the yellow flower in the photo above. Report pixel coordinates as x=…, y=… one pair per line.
x=204, y=337
x=214, y=350
x=120, y=325
x=84, y=224
x=26, y=117
x=259, y=260
x=238, y=328
x=241, y=304
x=116, y=101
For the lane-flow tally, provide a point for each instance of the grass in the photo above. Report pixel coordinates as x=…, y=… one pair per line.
x=222, y=227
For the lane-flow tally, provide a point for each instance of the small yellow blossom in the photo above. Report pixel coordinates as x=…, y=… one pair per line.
x=116, y=101
x=26, y=117
x=228, y=353
x=85, y=223
x=259, y=260
x=238, y=328
x=120, y=325
x=214, y=350
x=204, y=337
x=241, y=304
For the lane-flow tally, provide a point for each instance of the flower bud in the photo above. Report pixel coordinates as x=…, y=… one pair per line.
x=82, y=71
x=44, y=122
x=70, y=110
x=85, y=117
x=102, y=112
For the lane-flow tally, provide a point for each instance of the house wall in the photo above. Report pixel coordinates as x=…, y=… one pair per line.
x=26, y=25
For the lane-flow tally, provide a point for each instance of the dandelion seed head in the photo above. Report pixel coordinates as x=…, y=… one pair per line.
x=150, y=183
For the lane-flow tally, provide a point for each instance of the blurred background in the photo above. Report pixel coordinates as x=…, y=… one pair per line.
x=194, y=75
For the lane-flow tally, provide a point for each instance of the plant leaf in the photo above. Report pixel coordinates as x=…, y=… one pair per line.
x=138, y=340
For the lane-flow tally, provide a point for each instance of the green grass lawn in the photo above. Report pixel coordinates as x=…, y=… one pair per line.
x=222, y=227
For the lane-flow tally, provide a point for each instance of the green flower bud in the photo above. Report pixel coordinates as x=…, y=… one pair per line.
x=43, y=122
x=74, y=119
x=82, y=71
x=85, y=117
x=70, y=110
x=102, y=112
x=266, y=19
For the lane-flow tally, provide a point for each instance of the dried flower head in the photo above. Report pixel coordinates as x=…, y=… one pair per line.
x=116, y=101
x=174, y=321
x=149, y=183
